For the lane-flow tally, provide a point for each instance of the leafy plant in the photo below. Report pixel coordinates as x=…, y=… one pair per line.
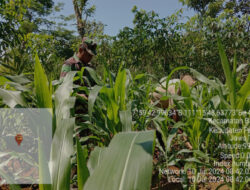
x=127, y=160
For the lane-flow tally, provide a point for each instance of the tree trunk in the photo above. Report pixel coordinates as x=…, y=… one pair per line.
x=78, y=14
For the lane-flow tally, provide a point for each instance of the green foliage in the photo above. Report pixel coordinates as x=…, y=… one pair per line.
x=240, y=97
x=21, y=36
x=43, y=93
x=28, y=15
x=120, y=102
x=198, y=5
x=150, y=46
x=112, y=105
x=127, y=160
x=42, y=87
x=62, y=144
x=82, y=170
x=201, y=53
x=107, y=118
x=11, y=98
x=214, y=7
x=158, y=45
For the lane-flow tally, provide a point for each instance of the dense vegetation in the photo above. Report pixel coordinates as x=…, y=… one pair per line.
x=122, y=140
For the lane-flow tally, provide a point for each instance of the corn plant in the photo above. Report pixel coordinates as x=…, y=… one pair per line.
x=139, y=148
x=109, y=110
x=194, y=105
x=110, y=120
x=238, y=95
x=127, y=161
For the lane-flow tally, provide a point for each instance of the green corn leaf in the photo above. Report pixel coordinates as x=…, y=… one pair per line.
x=8, y=66
x=20, y=79
x=234, y=67
x=204, y=79
x=112, y=107
x=185, y=92
x=95, y=158
x=18, y=86
x=43, y=94
x=126, y=163
x=163, y=134
x=172, y=72
x=62, y=149
x=3, y=80
x=12, y=98
x=139, y=76
x=44, y=100
x=216, y=101
x=126, y=119
x=92, y=98
x=120, y=89
x=63, y=101
x=230, y=81
x=172, y=134
x=43, y=167
x=62, y=143
x=82, y=170
x=243, y=93
x=94, y=76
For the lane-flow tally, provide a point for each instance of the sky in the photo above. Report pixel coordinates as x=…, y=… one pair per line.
x=116, y=14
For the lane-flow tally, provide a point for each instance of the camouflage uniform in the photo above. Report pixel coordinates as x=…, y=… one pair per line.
x=72, y=64
x=75, y=64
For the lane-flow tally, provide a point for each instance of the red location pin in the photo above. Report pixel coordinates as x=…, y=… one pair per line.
x=19, y=139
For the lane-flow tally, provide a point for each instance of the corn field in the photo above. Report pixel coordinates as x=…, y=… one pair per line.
x=121, y=140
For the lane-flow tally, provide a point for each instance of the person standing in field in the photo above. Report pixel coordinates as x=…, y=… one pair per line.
x=82, y=58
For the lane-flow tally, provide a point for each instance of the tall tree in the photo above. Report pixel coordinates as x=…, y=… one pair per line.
x=240, y=7
x=198, y=5
x=82, y=13
x=213, y=7
x=21, y=34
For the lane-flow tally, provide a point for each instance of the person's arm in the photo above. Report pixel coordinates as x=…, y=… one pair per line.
x=83, y=96
x=65, y=69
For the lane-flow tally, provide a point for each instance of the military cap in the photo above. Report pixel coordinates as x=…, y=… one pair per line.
x=89, y=45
